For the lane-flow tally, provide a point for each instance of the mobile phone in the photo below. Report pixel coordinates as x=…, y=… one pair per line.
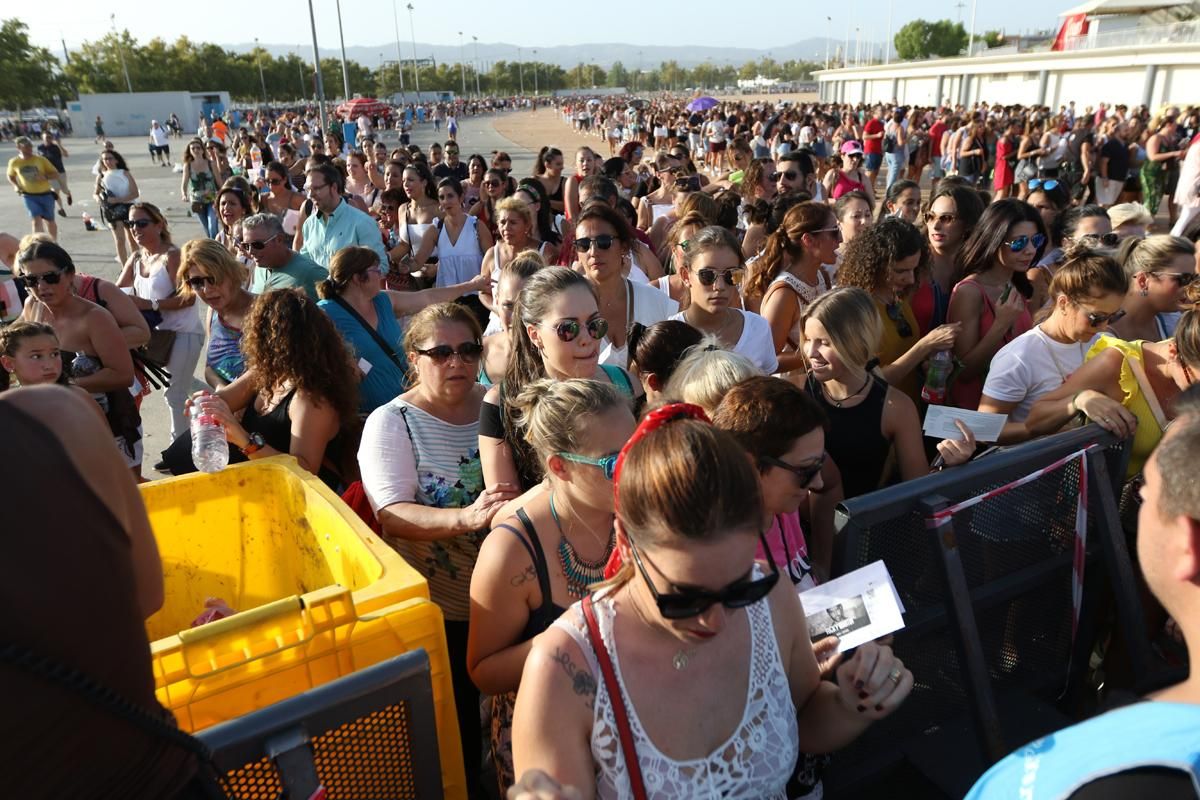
x=1004, y=295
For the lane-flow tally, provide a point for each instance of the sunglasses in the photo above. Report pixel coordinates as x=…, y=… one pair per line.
x=140, y=224
x=1183, y=278
x=1103, y=239
x=689, y=184
x=896, y=315
x=467, y=352
x=942, y=219
x=693, y=602
x=492, y=184
x=790, y=175
x=276, y=181
x=256, y=246
x=805, y=474
x=602, y=242
x=1044, y=185
x=606, y=463
x=31, y=281
x=568, y=329
x=200, y=281
x=1098, y=318
x=732, y=277
x=1021, y=242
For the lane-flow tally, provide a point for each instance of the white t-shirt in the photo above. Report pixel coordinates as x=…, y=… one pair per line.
x=649, y=306
x=158, y=136
x=716, y=130
x=1030, y=366
x=755, y=343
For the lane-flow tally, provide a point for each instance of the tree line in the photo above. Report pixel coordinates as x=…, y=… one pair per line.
x=32, y=76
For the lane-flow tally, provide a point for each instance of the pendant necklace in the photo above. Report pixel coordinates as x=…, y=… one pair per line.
x=838, y=403
x=580, y=574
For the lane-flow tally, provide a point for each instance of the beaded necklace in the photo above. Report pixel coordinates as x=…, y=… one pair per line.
x=580, y=574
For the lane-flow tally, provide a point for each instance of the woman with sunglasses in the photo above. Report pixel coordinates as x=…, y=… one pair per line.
x=1160, y=268
x=603, y=243
x=207, y=271
x=100, y=361
x=282, y=200
x=198, y=185
x=495, y=189
x=547, y=555
x=218, y=157
x=1128, y=388
x=153, y=274
x=235, y=201
x=695, y=614
x=420, y=463
x=1048, y=197
x=867, y=418
x=556, y=332
x=713, y=270
x=1088, y=292
x=367, y=316
x=991, y=302
x=953, y=211
x=115, y=192
x=850, y=176
x=517, y=235
x=884, y=262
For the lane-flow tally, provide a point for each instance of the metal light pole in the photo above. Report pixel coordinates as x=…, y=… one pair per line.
x=971, y=37
x=535, y=74
x=887, y=54
x=462, y=63
x=399, y=57
x=303, y=83
x=121, y=53
x=478, y=93
x=342, y=40
x=261, y=79
x=828, y=36
x=413, y=32
x=521, y=71
x=857, y=45
x=312, y=21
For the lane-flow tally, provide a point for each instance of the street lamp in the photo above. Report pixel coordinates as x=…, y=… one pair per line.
x=399, y=57
x=462, y=63
x=342, y=41
x=535, y=74
x=121, y=53
x=475, y=39
x=261, y=79
x=521, y=71
x=828, y=36
x=312, y=21
x=413, y=31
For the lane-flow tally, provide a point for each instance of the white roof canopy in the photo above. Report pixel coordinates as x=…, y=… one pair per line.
x=1122, y=6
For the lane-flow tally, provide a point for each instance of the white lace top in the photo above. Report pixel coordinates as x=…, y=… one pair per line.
x=754, y=762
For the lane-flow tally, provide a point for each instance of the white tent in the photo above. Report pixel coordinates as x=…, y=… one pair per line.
x=1098, y=7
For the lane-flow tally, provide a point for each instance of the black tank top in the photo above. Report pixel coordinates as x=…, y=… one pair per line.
x=854, y=439
x=559, y=192
x=544, y=615
x=275, y=426
x=67, y=584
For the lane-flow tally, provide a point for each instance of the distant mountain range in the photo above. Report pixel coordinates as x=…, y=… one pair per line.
x=632, y=56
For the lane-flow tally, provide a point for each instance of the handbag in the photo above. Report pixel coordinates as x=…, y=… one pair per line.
x=158, y=349
x=379, y=340
x=624, y=732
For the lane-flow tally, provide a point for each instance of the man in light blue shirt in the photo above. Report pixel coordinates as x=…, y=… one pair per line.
x=335, y=223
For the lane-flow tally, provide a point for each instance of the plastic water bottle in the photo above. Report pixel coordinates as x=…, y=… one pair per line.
x=88, y=223
x=210, y=449
x=934, y=390
x=255, y=157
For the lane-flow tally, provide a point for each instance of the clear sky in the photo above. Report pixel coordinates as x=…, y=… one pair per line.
x=529, y=23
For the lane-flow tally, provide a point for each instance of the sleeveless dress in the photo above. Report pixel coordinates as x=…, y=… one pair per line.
x=224, y=349
x=458, y=262
x=1148, y=433
x=805, y=294
x=854, y=438
x=756, y=761
x=845, y=185
x=967, y=393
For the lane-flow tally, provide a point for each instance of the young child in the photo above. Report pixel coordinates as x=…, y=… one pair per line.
x=29, y=352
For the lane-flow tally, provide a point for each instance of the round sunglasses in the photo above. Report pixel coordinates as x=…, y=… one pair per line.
x=732, y=277
x=1021, y=242
x=568, y=330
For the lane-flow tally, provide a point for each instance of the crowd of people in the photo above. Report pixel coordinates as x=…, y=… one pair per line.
x=542, y=390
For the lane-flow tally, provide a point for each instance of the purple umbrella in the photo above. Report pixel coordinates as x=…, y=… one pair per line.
x=703, y=104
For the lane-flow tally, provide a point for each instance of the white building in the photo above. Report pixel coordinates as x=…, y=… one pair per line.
x=130, y=114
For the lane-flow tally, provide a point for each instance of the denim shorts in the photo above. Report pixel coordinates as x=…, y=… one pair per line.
x=873, y=161
x=40, y=205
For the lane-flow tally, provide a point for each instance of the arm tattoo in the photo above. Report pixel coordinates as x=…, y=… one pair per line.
x=581, y=680
x=523, y=577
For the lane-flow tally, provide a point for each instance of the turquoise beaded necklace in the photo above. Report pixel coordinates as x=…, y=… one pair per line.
x=580, y=574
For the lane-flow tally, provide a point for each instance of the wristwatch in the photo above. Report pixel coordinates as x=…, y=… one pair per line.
x=154, y=305
x=256, y=443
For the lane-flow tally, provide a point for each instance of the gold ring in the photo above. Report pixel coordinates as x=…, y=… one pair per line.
x=895, y=675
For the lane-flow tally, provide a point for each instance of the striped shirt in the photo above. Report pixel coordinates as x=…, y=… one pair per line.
x=410, y=456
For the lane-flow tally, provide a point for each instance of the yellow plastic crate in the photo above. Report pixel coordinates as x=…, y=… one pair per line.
x=319, y=596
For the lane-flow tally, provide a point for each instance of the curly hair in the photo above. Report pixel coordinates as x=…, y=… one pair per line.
x=288, y=338
x=871, y=254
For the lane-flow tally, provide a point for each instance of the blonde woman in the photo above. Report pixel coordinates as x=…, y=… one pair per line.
x=207, y=271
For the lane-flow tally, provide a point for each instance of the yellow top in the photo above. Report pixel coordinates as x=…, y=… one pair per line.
x=33, y=174
x=893, y=345
x=1148, y=432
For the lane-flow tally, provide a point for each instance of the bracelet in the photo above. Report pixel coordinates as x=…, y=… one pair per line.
x=1074, y=409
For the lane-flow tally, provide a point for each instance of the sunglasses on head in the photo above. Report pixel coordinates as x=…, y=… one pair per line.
x=1098, y=318
x=31, y=281
x=467, y=352
x=602, y=242
x=693, y=602
x=1103, y=239
x=1021, y=242
x=1183, y=278
x=568, y=330
x=805, y=474
x=256, y=246
x=608, y=463
x=732, y=277
x=1044, y=185
x=140, y=224
x=200, y=281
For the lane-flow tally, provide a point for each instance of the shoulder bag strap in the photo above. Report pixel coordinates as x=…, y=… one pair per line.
x=379, y=340
x=1139, y=372
x=628, y=749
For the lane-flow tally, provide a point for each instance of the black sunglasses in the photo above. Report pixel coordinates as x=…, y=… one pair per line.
x=140, y=224
x=732, y=277
x=31, y=281
x=790, y=175
x=468, y=352
x=1183, y=278
x=1098, y=318
x=805, y=474
x=602, y=242
x=256, y=246
x=568, y=329
x=896, y=314
x=688, y=184
x=1104, y=239
x=693, y=602
x=200, y=281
